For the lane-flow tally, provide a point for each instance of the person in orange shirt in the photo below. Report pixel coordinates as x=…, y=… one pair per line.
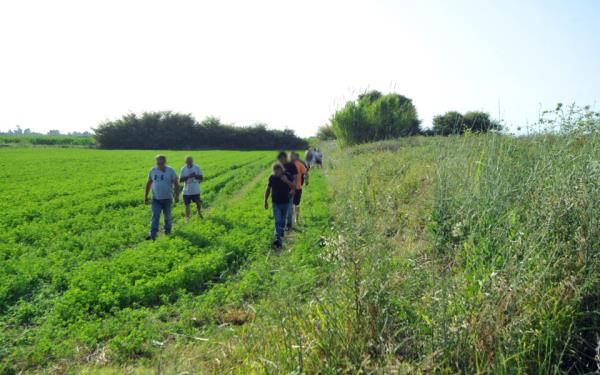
x=301, y=178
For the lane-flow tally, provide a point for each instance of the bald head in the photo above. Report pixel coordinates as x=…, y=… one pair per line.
x=161, y=160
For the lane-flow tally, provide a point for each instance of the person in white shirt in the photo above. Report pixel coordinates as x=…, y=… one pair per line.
x=191, y=175
x=162, y=179
x=308, y=157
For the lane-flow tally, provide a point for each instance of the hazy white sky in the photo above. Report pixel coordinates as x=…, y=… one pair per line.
x=69, y=65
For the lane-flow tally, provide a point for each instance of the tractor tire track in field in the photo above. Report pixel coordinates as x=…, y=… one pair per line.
x=244, y=190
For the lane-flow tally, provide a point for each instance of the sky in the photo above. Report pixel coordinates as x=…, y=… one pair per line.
x=70, y=65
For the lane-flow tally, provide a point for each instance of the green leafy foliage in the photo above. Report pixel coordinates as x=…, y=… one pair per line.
x=76, y=275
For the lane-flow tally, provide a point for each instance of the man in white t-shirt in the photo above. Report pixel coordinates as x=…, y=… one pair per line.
x=162, y=179
x=191, y=175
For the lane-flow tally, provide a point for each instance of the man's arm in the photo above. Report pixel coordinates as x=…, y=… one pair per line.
x=183, y=178
x=148, y=186
x=304, y=173
x=288, y=182
x=267, y=194
x=176, y=183
x=295, y=172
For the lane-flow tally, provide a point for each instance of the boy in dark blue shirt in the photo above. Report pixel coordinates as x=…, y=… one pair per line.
x=290, y=171
x=280, y=188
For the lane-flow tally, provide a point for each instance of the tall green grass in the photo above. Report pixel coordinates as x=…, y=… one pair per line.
x=473, y=254
x=516, y=229
x=468, y=254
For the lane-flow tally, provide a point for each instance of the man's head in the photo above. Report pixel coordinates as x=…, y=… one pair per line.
x=282, y=157
x=277, y=169
x=161, y=160
x=189, y=161
x=294, y=156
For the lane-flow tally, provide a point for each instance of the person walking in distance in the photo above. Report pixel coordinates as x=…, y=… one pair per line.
x=308, y=157
x=161, y=179
x=301, y=178
x=290, y=171
x=191, y=175
x=318, y=156
x=279, y=188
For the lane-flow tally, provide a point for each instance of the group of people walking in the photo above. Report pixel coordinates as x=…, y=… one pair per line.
x=284, y=188
x=313, y=157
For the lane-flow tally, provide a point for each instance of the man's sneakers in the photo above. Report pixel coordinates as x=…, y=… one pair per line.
x=278, y=244
x=288, y=228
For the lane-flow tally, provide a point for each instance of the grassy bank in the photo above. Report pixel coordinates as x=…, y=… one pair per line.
x=463, y=254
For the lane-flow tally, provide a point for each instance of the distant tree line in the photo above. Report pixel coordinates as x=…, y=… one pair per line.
x=18, y=131
x=168, y=130
x=375, y=116
x=46, y=140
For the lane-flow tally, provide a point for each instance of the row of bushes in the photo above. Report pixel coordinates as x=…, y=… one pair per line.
x=167, y=130
x=374, y=116
x=47, y=140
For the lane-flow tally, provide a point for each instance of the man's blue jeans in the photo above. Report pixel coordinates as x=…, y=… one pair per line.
x=290, y=212
x=279, y=214
x=158, y=206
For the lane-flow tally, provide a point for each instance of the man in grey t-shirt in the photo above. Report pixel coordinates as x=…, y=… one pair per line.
x=191, y=175
x=161, y=179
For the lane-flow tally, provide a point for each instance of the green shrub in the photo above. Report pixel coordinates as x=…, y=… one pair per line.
x=326, y=133
x=455, y=123
x=375, y=117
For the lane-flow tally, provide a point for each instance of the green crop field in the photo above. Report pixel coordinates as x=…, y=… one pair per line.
x=461, y=254
x=76, y=276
